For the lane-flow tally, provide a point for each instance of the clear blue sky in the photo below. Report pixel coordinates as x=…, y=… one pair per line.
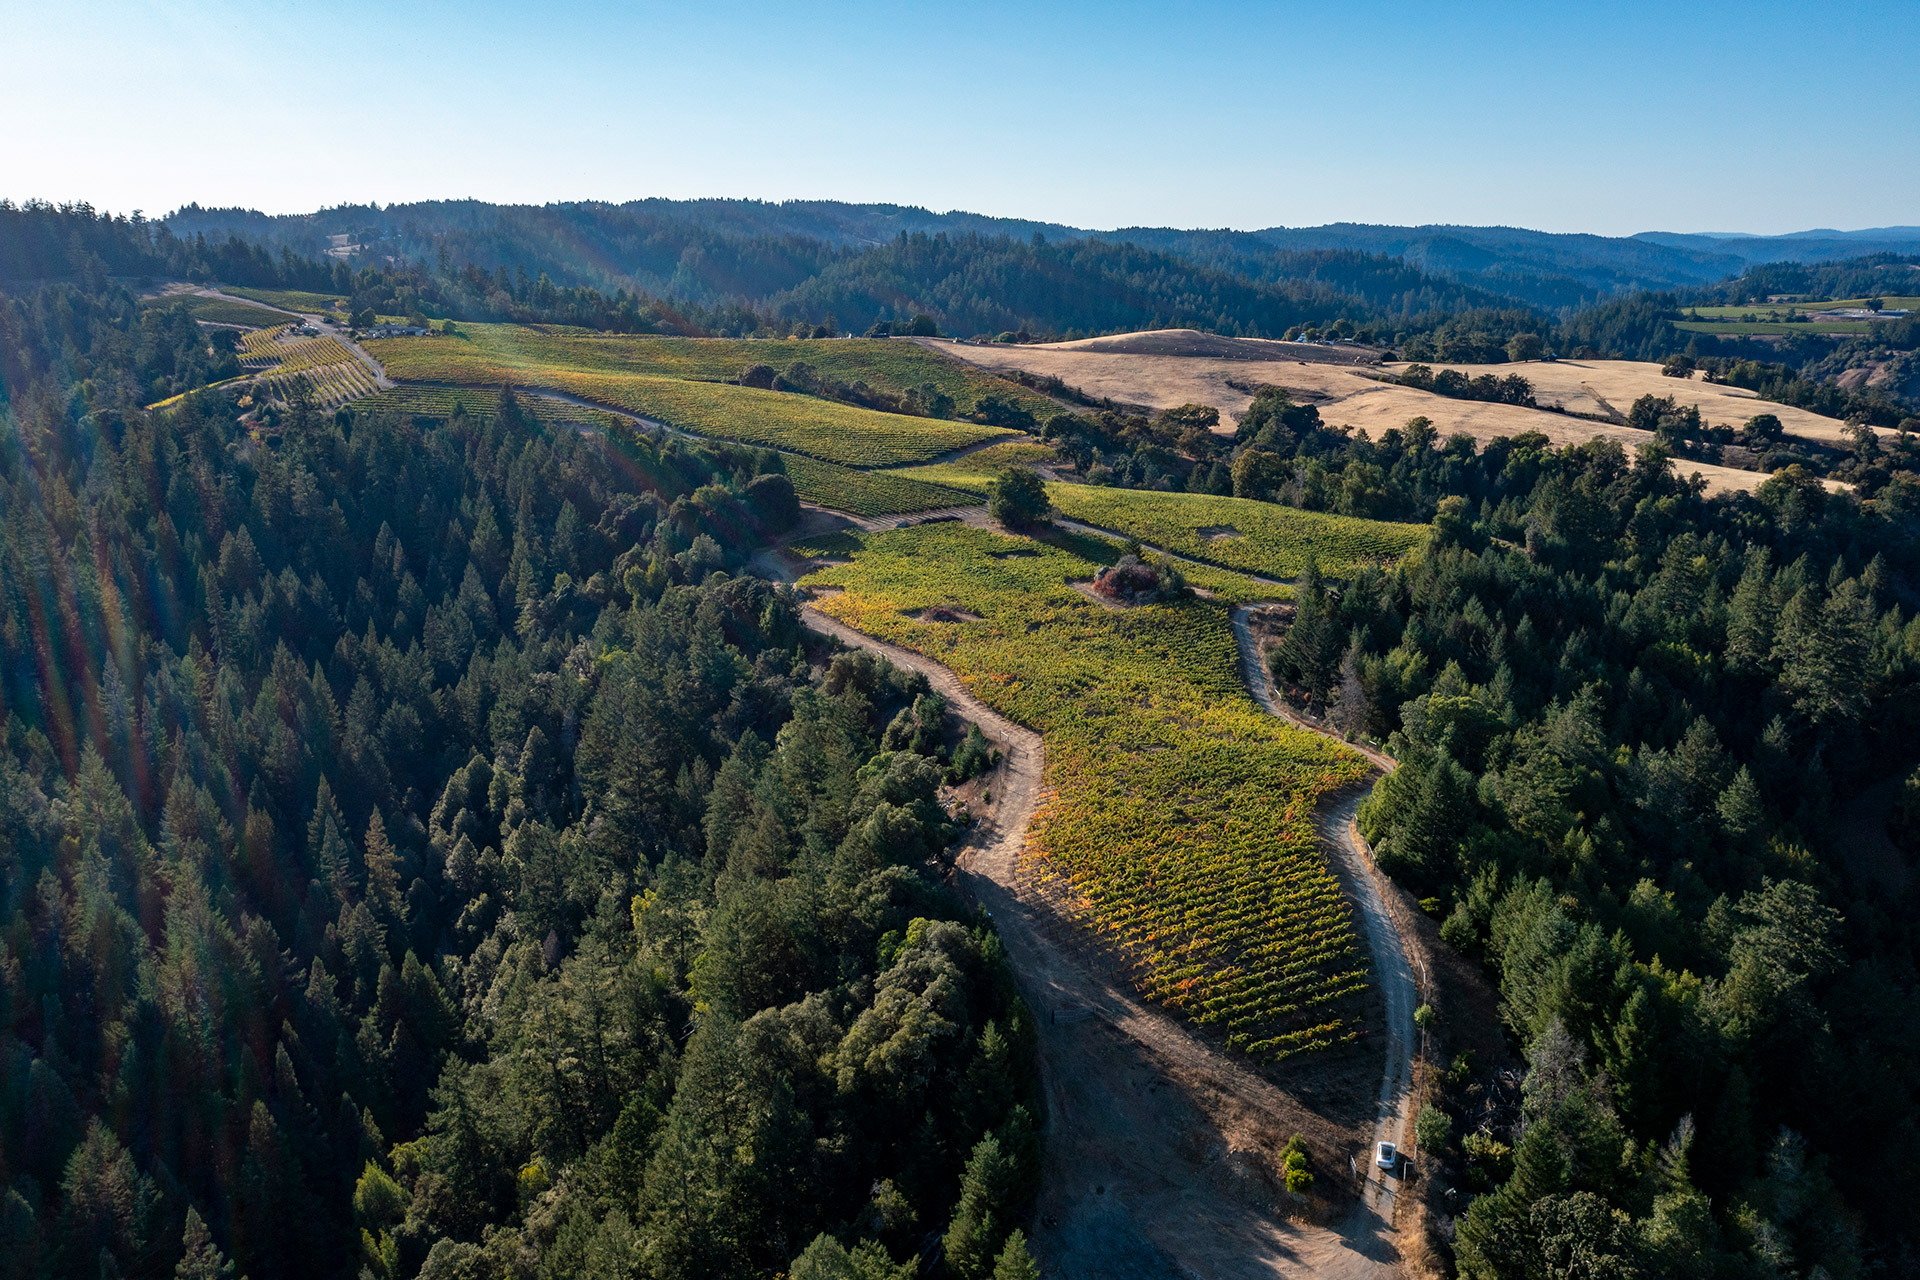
x=1614, y=118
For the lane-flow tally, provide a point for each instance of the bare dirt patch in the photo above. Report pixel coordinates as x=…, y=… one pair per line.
x=1086, y=589
x=1219, y=532
x=944, y=613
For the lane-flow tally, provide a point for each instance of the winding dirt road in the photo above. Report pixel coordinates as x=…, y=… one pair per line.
x=1159, y=1146
x=326, y=327
x=1392, y=967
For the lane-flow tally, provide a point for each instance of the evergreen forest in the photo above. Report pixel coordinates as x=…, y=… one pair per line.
x=426, y=854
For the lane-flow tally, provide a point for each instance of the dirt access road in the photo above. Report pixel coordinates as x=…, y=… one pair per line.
x=1159, y=1146
x=1393, y=968
x=326, y=327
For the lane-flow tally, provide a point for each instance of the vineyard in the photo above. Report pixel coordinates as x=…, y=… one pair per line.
x=441, y=403
x=331, y=385
x=292, y=299
x=977, y=469
x=218, y=310
x=895, y=367
x=864, y=493
x=333, y=374
x=1239, y=533
x=823, y=429
x=868, y=493
x=1181, y=821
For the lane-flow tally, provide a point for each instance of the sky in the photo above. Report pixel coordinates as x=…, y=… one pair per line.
x=1759, y=117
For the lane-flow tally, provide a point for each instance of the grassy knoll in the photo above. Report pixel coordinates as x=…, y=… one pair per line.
x=1182, y=814
x=892, y=365
x=1254, y=537
x=823, y=429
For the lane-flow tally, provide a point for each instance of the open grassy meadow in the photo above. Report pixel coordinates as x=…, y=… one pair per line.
x=1779, y=310
x=1182, y=815
x=1239, y=533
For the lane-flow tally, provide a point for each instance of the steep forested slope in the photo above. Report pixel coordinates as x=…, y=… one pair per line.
x=421, y=856
x=1635, y=729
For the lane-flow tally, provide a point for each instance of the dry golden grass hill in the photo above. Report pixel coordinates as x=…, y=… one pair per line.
x=1172, y=367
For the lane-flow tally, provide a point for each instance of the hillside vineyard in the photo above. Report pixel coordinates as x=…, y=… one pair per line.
x=734, y=740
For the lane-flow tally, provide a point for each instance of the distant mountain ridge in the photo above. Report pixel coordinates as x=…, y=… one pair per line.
x=683, y=247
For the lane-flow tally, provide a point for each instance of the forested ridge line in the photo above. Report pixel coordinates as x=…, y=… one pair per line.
x=425, y=855
x=668, y=275
x=1626, y=718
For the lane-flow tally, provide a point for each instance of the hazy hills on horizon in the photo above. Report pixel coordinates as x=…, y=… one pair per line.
x=661, y=245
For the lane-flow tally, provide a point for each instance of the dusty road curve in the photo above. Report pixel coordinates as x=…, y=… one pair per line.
x=1155, y=1138
x=326, y=327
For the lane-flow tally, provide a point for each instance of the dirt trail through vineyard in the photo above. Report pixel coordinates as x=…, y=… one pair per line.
x=327, y=328
x=1159, y=1147
x=1392, y=966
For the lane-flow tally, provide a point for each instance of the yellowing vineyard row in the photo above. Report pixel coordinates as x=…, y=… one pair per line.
x=865, y=493
x=331, y=385
x=892, y=365
x=333, y=374
x=1240, y=533
x=263, y=349
x=823, y=429
x=1182, y=816
x=439, y=403
x=977, y=470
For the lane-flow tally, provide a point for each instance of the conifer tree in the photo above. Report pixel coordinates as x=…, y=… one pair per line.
x=201, y=1258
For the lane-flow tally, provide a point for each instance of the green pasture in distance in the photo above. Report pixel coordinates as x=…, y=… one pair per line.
x=1776, y=328
x=1771, y=310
